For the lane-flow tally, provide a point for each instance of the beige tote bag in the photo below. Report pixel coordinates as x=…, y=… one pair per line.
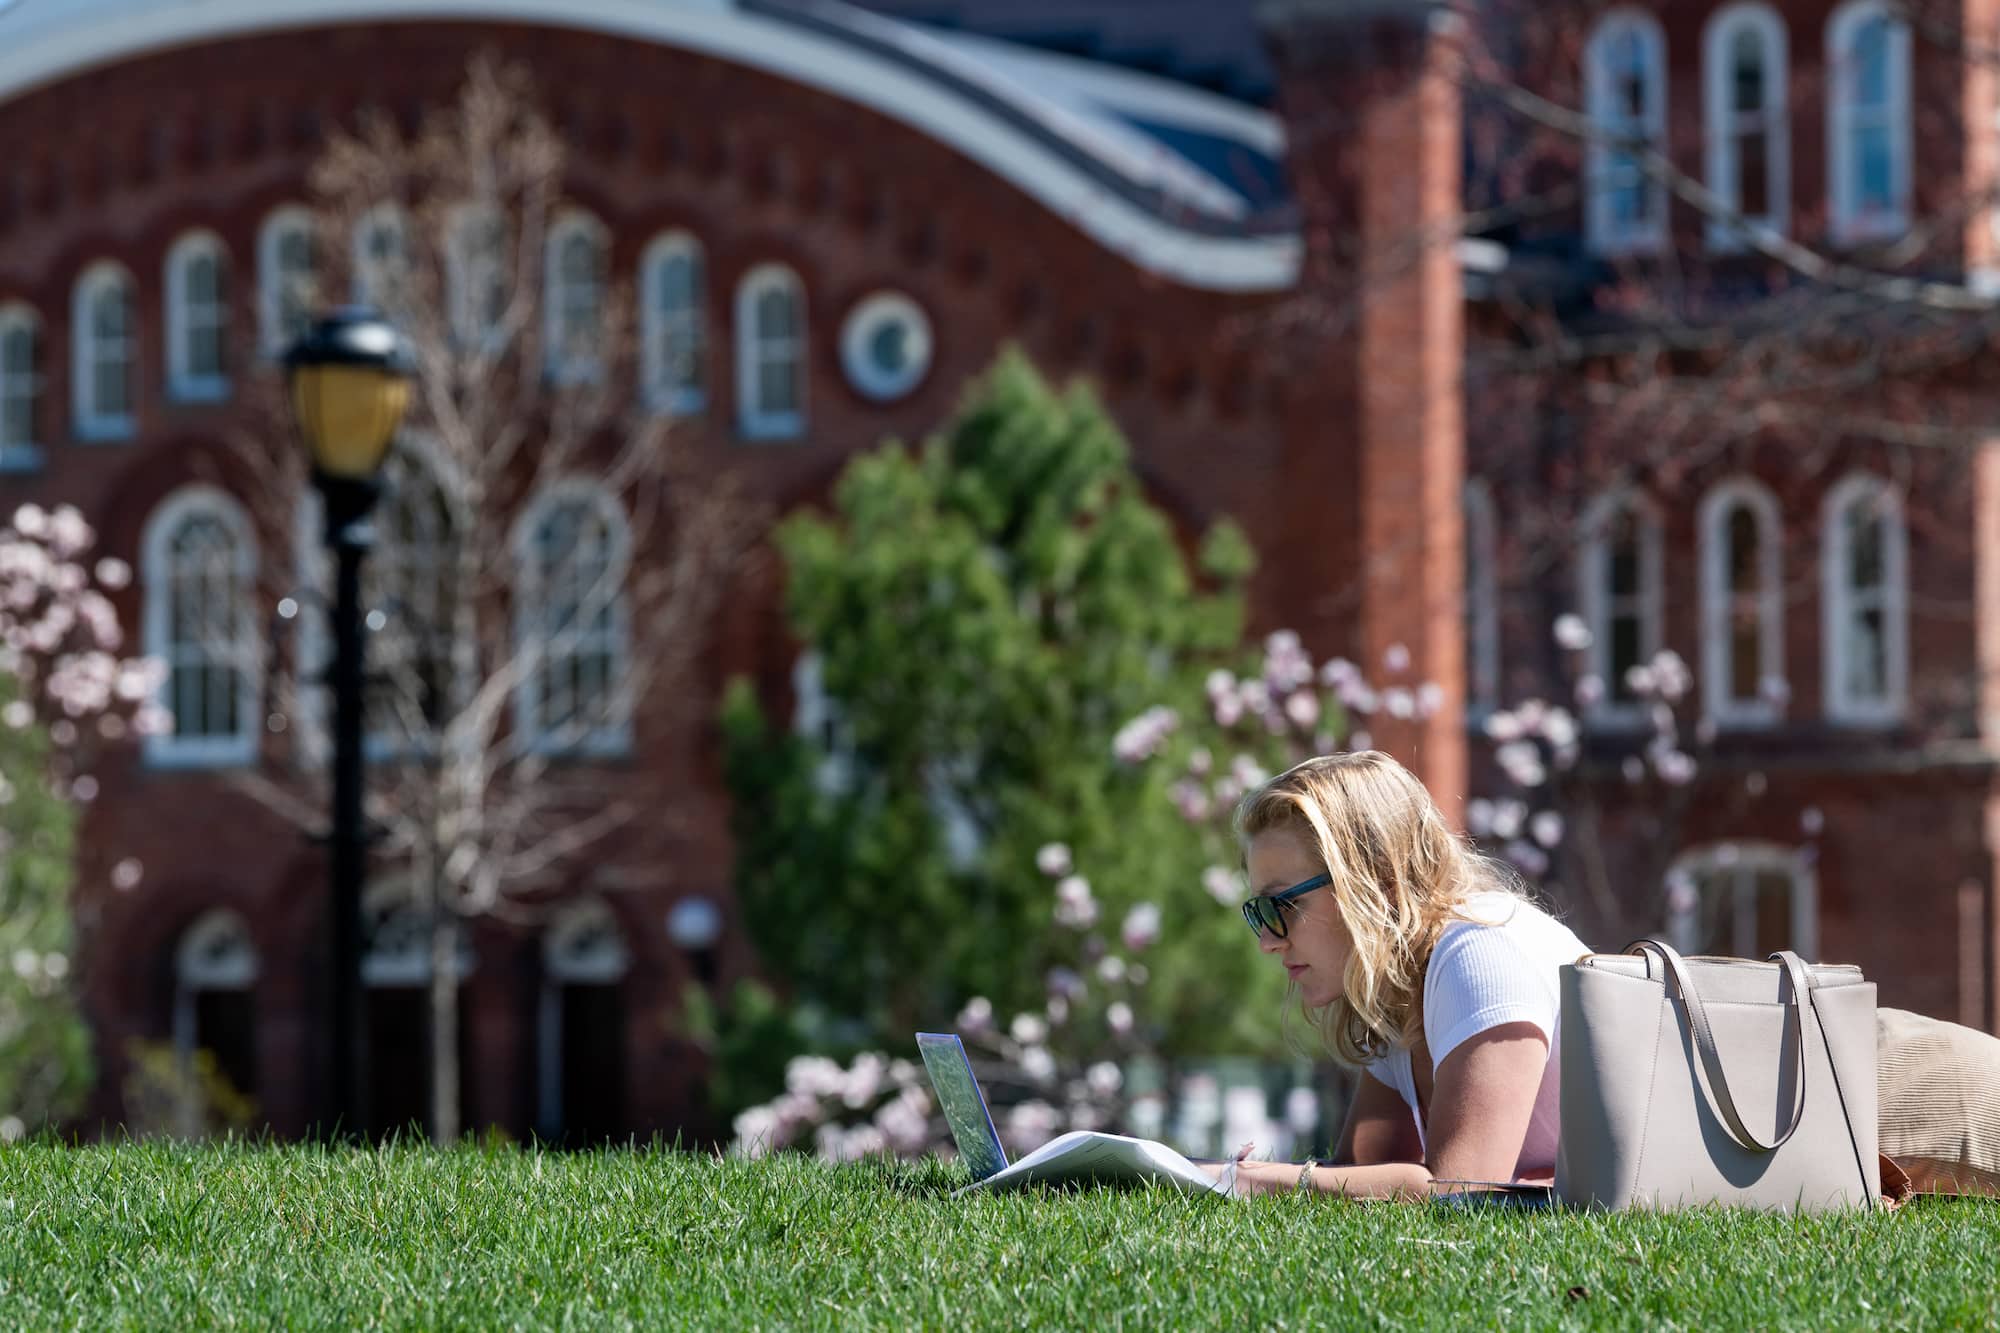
x=1724, y=1080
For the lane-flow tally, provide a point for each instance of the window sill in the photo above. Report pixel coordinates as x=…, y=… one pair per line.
x=21, y=458
x=196, y=392
x=111, y=430
x=682, y=403
x=772, y=431
x=167, y=756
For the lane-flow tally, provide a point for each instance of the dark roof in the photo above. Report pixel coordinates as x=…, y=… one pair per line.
x=1209, y=165
x=1212, y=44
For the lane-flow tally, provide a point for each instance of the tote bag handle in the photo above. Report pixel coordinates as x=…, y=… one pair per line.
x=1711, y=1058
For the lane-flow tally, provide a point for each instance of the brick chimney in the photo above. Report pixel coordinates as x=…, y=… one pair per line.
x=1375, y=425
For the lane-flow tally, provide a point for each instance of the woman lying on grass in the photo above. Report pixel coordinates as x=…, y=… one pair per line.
x=1422, y=965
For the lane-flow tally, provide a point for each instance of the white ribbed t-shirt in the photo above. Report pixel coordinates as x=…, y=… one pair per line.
x=1480, y=976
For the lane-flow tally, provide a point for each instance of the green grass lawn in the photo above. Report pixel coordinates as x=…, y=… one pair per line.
x=151, y=1236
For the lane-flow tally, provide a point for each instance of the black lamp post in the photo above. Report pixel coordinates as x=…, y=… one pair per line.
x=350, y=383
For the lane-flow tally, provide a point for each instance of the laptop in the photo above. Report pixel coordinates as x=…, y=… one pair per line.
x=963, y=1103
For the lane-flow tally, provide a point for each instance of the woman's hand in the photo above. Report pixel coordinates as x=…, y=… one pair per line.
x=1397, y=1180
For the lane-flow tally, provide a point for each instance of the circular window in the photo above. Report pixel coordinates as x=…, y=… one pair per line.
x=886, y=346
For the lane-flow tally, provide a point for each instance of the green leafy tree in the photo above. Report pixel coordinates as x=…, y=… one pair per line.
x=988, y=613
x=45, y=1064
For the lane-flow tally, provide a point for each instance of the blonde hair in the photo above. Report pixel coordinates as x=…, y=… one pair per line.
x=1399, y=876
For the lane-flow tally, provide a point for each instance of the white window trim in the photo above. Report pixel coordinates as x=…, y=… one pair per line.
x=92, y=425
x=362, y=277
x=1718, y=73
x=272, y=335
x=614, y=738
x=656, y=329
x=183, y=385
x=579, y=367
x=1482, y=595
x=752, y=423
x=1762, y=711
x=1605, y=236
x=23, y=455
x=1847, y=224
x=1834, y=599
x=172, y=750
x=1750, y=858
x=867, y=378
x=1593, y=574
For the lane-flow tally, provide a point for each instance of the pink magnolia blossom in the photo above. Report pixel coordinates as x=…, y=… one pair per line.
x=1572, y=633
x=1223, y=885
x=1075, y=907
x=977, y=1016
x=1302, y=708
x=1141, y=928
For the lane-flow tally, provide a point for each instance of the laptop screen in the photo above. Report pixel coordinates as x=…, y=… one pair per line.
x=963, y=1104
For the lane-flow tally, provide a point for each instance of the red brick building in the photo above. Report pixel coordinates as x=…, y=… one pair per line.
x=1210, y=212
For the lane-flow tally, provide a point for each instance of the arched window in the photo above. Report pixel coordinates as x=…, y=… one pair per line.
x=381, y=259
x=199, y=560
x=1482, y=602
x=1868, y=121
x=1865, y=600
x=414, y=579
x=674, y=324
x=1742, y=606
x=20, y=389
x=105, y=366
x=197, y=319
x=1625, y=94
x=1742, y=900
x=581, y=1027
x=574, y=550
x=771, y=354
x=476, y=281
x=1619, y=594
x=1744, y=62
x=576, y=264
x=285, y=286
x=215, y=969
x=411, y=579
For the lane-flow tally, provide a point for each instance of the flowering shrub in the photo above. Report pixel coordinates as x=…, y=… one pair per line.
x=64, y=689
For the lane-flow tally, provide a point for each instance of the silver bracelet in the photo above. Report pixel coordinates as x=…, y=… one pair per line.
x=1305, y=1175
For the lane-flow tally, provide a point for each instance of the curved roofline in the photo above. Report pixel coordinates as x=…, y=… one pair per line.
x=72, y=36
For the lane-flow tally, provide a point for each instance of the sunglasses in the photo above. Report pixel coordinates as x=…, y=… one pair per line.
x=1268, y=912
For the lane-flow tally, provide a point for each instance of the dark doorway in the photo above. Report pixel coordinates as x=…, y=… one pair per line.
x=593, y=1065
x=224, y=1024
x=399, y=1062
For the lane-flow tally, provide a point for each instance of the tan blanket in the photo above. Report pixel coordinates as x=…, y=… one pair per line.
x=1940, y=1102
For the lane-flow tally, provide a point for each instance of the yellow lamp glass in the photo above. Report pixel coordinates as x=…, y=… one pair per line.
x=349, y=415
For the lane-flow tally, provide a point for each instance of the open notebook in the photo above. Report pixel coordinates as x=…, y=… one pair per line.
x=1076, y=1158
